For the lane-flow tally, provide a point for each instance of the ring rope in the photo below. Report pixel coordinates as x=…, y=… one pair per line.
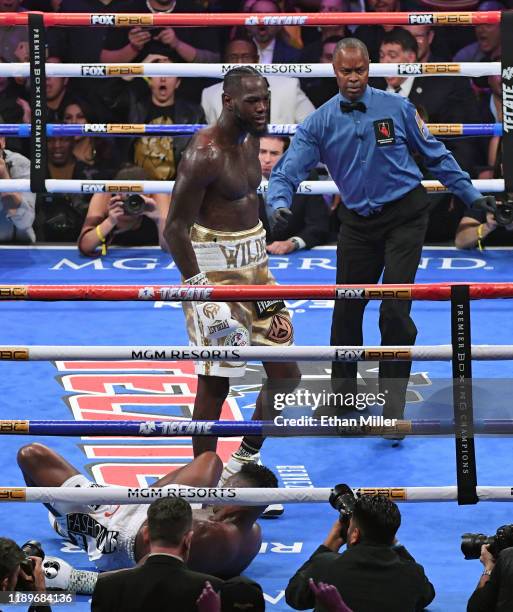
x=452, y=18
x=333, y=426
x=249, y=293
x=234, y=496
x=113, y=186
x=23, y=130
x=442, y=352
x=468, y=69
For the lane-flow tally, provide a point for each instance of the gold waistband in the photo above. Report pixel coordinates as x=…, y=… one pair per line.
x=205, y=234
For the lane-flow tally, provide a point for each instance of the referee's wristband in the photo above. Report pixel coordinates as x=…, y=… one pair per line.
x=298, y=243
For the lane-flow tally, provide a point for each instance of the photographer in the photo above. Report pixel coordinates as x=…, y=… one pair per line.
x=126, y=220
x=375, y=572
x=20, y=571
x=494, y=591
x=17, y=210
x=476, y=227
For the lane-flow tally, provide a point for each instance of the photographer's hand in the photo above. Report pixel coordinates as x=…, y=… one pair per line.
x=151, y=209
x=116, y=210
x=138, y=37
x=334, y=539
x=486, y=558
x=38, y=574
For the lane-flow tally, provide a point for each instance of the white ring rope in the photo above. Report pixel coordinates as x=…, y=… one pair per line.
x=232, y=496
x=250, y=353
x=469, y=69
x=112, y=186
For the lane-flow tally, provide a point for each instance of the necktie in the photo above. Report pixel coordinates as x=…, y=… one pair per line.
x=347, y=107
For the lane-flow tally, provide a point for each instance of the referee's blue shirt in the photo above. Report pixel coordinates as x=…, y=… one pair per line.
x=368, y=154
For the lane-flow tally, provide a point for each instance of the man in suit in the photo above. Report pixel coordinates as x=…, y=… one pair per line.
x=289, y=103
x=272, y=48
x=439, y=99
x=376, y=572
x=308, y=225
x=163, y=580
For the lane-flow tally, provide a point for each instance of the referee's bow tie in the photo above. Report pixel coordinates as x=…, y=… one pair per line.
x=347, y=107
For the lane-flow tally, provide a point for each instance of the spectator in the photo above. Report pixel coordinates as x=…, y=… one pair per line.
x=17, y=210
x=494, y=592
x=59, y=218
x=442, y=99
x=163, y=579
x=308, y=225
x=158, y=104
x=289, y=104
x=15, y=574
x=271, y=46
x=134, y=44
x=488, y=45
x=11, y=37
x=313, y=50
x=493, y=114
x=320, y=90
x=57, y=88
x=432, y=46
x=372, y=35
x=100, y=152
x=108, y=222
x=376, y=572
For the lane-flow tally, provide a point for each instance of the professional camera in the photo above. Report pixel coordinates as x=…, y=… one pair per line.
x=343, y=500
x=503, y=213
x=32, y=548
x=133, y=204
x=471, y=542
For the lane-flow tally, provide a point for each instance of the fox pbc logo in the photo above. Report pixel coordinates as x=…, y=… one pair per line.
x=446, y=129
x=397, y=294
x=409, y=69
x=101, y=70
x=121, y=20
x=111, y=188
x=14, y=427
x=14, y=354
x=388, y=492
x=12, y=292
x=387, y=354
x=12, y=494
x=349, y=355
x=421, y=19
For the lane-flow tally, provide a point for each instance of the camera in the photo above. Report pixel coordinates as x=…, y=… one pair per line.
x=133, y=204
x=32, y=548
x=471, y=542
x=343, y=500
x=503, y=213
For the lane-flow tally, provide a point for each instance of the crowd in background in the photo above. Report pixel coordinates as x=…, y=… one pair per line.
x=26, y=218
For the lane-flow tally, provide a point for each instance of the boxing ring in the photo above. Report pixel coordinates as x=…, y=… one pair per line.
x=69, y=374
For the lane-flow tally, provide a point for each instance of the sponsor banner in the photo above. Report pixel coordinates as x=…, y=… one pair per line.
x=273, y=69
x=15, y=353
x=10, y=494
x=14, y=427
x=392, y=493
x=440, y=19
x=429, y=68
x=105, y=70
x=111, y=188
x=276, y=20
x=373, y=294
x=379, y=354
x=446, y=129
x=8, y=292
x=114, y=128
x=129, y=20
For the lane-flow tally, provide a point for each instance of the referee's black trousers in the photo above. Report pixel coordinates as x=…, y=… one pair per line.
x=389, y=243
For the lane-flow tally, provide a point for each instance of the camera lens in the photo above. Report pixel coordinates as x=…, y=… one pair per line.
x=471, y=544
x=133, y=204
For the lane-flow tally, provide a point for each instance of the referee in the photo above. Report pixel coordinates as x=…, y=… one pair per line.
x=366, y=138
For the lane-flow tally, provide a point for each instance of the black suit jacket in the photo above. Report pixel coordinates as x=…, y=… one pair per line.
x=448, y=100
x=369, y=578
x=309, y=220
x=284, y=53
x=161, y=583
x=497, y=593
